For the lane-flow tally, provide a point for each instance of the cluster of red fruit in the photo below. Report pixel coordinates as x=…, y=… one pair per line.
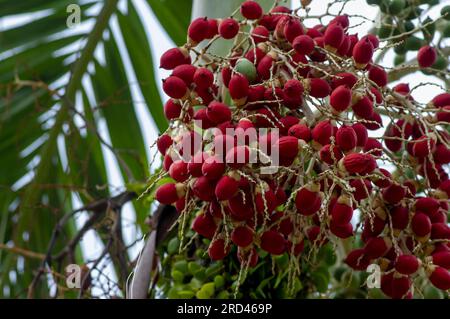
x=319, y=87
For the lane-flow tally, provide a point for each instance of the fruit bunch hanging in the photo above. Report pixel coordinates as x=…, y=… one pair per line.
x=355, y=157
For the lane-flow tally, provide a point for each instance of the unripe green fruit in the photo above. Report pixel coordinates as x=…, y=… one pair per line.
x=408, y=25
x=219, y=281
x=181, y=266
x=200, y=274
x=413, y=43
x=186, y=294
x=384, y=6
x=207, y=291
x=195, y=284
x=428, y=31
x=193, y=267
x=446, y=11
x=282, y=260
x=177, y=275
x=223, y=295
x=173, y=293
x=385, y=31
x=399, y=59
x=246, y=68
x=400, y=48
x=446, y=31
x=339, y=272
x=173, y=245
x=440, y=64
x=396, y=6
x=432, y=293
x=414, y=13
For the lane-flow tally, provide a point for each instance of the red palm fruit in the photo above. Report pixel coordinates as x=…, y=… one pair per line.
x=172, y=110
x=342, y=211
x=300, y=131
x=238, y=87
x=346, y=138
x=287, y=122
x=424, y=145
x=407, y=264
x=307, y=198
x=213, y=28
x=400, y=287
x=375, y=122
x=362, y=52
x=226, y=188
x=238, y=156
x=426, y=56
x=341, y=20
x=260, y=34
x=163, y=143
x=373, y=39
x=203, y=78
x=362, y=187
x=377, y=247
x=344, y=78
x=322, y=132
x=286, y=227
x=300, y=62
x=251, y=10
x=213, y=168
x=442, y=259
x=440, y=231
x=341, y=98
x=279, y=29
x=267, y=203
x=345, y=46
x=169, y=193
x=334, y=35
x=228, y=28
x=341, y=231
x=204, y=225
x=167, y=162
x=297, y=249
x=242, y=236
x=293, y=88
x=175, y=87
x=198, y=30
x=241, y=209
x=292, y=29
x=373, y=147
x=196, y=163
x=254, y=55
x=222, y=144
x=356, y=163
x=270, y=20
x=303, y=44
x=357, y=260
x=287, y=147
x=421, y=224
x=266, y=118
x=445, y=187
x=249, y=258
x=394, y=193
x=361, y=134
x=273, y=242
x=375, y=95
x=378, y=75
x=328, y=157
x=444, y=115
x=217, y=249
x=173, y=58
x=440, y=278
x=428, y=205
x=386, y=283
x=226, y=75
x=185, y=72
x=315, y=31
x=255, y=93
x=441, y=154
x=384, y=179
x=178, y=171
x=218, y=112
x=264, y=67
x=441, y=100
x=402, y=88
x=318, y=88
x=180, y=204
x=363, y=107
x=203, y=188
x=372, y=227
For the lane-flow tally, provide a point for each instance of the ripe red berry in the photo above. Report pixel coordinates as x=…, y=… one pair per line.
x=441, y=100
x=428, y=205
x=273, y=242
x=440, y=278
x=169, y=193
x=426, y=56
x=318, y=88
x=361, y=134
x=322, y=132
x=342, y=211
x=363, y=108
x=346, y=138
x=218, y=112
x=241, y=207
x=242, y=236
x=423, y=146
x=248, y=258
x=357, y=260
x=341, y=98
x=328, y=157
x=287, y=148
x=308, y=200
x=260, y=34
x=185, y=72
x=407, y=264
x=400, y=217
x=251, y=10
x=303, y=44
x=373, y=39
x=355, y=163
x=334, y=35
x=400, y=287
x=163, y=143
x=179, y=171
x=378, y=75
x=203, y=188
x=175, y=87
x=421, y=224
x=204, y=225
x=292, y=29
x=213, y=28
x=217, y=249
x=228, y=28
x=173, y=58
x=213, y=168
x=441, y=259
x=377, y=247
x=226, y=188
x=203, y=78
x=300, y=131
x=198, y=30
x=238, y=87
x=362, y=52
x=264, y=67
